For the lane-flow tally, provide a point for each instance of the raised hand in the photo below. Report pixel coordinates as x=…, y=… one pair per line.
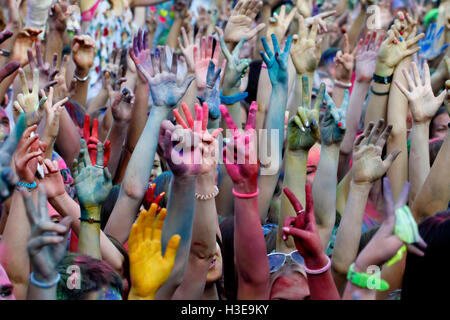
x=53, y=180
x=368, y=166
x=29, y=152
x=203, y=18
x=187, y=47
x=303, y=128
x=92, y=141
x=202, y=59
x=122, y=105
x=421, y=98
x=429, y=45
x=149, y=197
x=236, y=68
x=83, y=52
x=394, y=49
x=279, y=24
x=61, y=89
x=303, y=227
x=149, y=269
x=240, y=24
x=48, y=240
x=208, y=145
x=366, y=56
x=115, y=70
x=333, y=124
x=8, y=178
x=385, y=243
x=305, y=7
x=58, y=14
x=140, y=53
x=165, y=90
x=93, y=182
x=239, y=155
x=24, y=41
x=53, y=113
x=345, y=62
x=28, y=102
x=277, y=64
x=322, y=24
x=211, y=93
x=307, y=50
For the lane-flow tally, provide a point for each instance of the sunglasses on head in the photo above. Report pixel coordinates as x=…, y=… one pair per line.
x=278, y=259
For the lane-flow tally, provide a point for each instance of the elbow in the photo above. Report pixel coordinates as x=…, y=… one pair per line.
x=133, y=190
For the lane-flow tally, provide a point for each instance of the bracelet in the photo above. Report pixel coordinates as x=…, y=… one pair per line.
x=362, y=280
x=91, y=220
x=27, y=185
x=245, y=196
x=232, y=99
x=321, y=270
x=42, y=284
x=343, y=85
x=378, y=93
x=382, y=80
x=210, y=196
x=81, y=79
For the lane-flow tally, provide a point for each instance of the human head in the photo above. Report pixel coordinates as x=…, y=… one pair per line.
x=215, y=270
x=96, y=279
x=5, y=128
x=312, y=163
x=439, y=124
x=6, y=288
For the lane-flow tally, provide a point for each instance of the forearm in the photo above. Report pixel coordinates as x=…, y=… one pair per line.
x=81, y=88
x=50, y=142
x=98, y=102
x=235, y=108
x=396, y=116
x=356, y=28
x=324, y=192
x=349, y=233
x=66, y=206
x=6, y=84
x=15, y=259
x=179, y=220
x=377, y=105
x=435, y=192
x=139, y=114
x=295, y=180
x=419, y=157
x=250, y=250
x=116, y=138
x=53, y=46
x=174, y=33
x=68, y=139
x=37, y=293
x=136, y=178
x=321, y=286
x=89, y=239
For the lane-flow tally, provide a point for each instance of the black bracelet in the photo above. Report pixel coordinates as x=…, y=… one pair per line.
x=90, y=220
x=382, y=80
x=378, y=93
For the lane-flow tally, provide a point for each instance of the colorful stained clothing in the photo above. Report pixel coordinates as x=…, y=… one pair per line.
x=109, y=32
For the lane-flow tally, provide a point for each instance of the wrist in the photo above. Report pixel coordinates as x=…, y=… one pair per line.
x=133, y=296
x=81, y=72
x=383, y=70
x=422, y=124
x=362, y=187
x=206, y=182
x=246, y=187
x=316, y=262
x=45, y=279
x=90, y=212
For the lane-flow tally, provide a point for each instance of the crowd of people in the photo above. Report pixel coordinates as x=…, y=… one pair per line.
x=224, y=150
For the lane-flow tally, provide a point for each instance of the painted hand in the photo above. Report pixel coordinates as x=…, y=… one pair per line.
x=279, y=23
x=53, y=113
x=140, y=53
x=8, y=178
x=345, y=62
x=28, y=102
x=307, y=50
x=303, y=128
x=202, y=59
x=93, y=182
x=208, y=145
x=240, y=24
x=421, y=98
x=239, y=154
x=211, y=92
x=149, y=198
x=48, y=240
x=165, y=90
x=430, y=44
x=385, y=244
x=187, y=47
x=53, y=180
x=149, y=269
x=92, y=141
x=333, y=124
x=25, y=40
x=303, y=227
x=47, y=73
x=368, y=166
x=366, y=56
x=122, y=103
x=277, y=64
x=83, y=51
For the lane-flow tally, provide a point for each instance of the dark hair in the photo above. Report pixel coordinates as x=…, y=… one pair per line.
x=94, y=274
x=435, y=147
x=427, y=277
x=125, y=264
x=366, y=237
x=229, y=271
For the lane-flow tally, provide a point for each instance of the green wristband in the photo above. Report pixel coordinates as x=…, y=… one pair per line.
x=362, y=280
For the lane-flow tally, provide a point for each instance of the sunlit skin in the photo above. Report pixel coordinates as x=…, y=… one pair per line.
x=6, y=288
x=439, y=126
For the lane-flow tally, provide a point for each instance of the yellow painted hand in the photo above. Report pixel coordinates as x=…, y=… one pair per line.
x=149, y=270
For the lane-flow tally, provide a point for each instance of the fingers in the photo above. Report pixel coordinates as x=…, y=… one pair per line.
x=24, y=81
x=188, y=116
x=320, y=97
x=172, y=249
x=205, y=114
x=306, y=96
x=251, y=119
x=402, y=198
x=8, y=69
x=11, y=143
x=99, y=161
x=298, y=208
x=388, y=198
x=228, y=119
x=384, y=136
x=390, y=158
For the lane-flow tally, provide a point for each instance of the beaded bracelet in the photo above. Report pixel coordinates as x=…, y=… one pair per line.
x=210, y=196
x=27, y=185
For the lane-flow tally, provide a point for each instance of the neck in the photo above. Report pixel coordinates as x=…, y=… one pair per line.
x=210, y=292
